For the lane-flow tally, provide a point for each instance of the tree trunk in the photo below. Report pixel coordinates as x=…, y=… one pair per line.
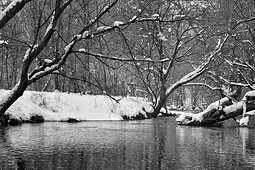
x=8, y=99
x=219, y=111
x=160, y=103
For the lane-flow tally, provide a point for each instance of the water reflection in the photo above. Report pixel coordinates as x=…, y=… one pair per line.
x=148, y=144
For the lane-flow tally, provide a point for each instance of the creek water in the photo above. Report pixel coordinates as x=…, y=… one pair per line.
x=123, y=145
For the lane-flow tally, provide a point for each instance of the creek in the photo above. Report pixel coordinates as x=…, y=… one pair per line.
x=155, y=144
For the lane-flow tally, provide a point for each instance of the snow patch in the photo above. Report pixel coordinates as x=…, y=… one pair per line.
x=155, y=16
x=118, y=23
x=48, y=61
x=2, y=42
x=58, y=106
x=102, y=28
x=162, y=36
x=132, y=19
x=82, y=50
x=85, y=34
x=178, y=17
x=244, y=121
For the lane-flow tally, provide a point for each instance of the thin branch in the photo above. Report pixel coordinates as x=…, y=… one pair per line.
x=245, y=79
x=84, y=81
x=83, y=51
x=92, y=22
x=204, y=85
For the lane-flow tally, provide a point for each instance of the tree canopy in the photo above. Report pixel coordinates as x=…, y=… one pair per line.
x=154, y=49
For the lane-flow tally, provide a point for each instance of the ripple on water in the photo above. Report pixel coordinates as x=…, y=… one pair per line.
x=148, y=144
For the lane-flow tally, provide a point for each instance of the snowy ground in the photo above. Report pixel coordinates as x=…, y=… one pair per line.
x=57, y=106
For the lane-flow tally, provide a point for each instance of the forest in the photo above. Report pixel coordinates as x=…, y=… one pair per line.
x=171, y=52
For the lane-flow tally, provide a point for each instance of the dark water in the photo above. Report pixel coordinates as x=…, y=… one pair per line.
x=147, y=144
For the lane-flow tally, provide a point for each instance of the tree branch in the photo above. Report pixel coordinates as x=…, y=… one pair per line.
x=83, y=51
x=11, y=11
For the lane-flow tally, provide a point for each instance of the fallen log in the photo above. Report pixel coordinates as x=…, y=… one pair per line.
x=220, y=111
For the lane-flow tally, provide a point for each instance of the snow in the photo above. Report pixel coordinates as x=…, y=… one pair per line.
x=183, y=117
x=102, y=28
x=162, y=36
x=117, y=23
x=154, y=16
x=2, y=42
x=82, y=50
x=178, y=17
x=247, y=41
x=244, y=121
x=47, y=68
x=85, y=34
x=132, y=19
x=106, y=7
x=50, y=26
x=79, y=36
x=48, y=61
x=57, y=106
x=164, y=71
x=9, y=7
x=26, y=54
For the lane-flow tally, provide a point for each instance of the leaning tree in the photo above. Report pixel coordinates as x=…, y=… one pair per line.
x=47, y=50
x=34, y=66
x=233, y=73
x=154, y=37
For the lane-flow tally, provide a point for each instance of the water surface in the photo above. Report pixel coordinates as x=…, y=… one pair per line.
x=124, y=145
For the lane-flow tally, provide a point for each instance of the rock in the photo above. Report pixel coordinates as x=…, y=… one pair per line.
x=14, y=122
x=36, y=119
x=73, y=120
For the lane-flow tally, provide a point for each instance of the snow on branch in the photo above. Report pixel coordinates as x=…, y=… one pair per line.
x=83, y=51
x=11, y=10
x=250, y=66
x=204, y=85
x=245, y=20
x=238, y=62
x=93, y=21
x=199, y=70
x=32, y=53
x=228, y=82
x=245, y=79
x=4, y=43
x=118, y=24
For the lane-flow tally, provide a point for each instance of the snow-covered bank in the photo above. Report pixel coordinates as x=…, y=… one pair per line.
x=57, y=106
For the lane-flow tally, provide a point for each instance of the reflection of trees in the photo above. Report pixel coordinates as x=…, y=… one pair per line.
x=248, y=136
x=206, y=147
x=7, y=151
x=134, y=145
x=164, y=144
x=147, y=144
x=2, y=135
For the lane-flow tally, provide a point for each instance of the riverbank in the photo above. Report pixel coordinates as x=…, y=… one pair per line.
x=34, y=107
x=57, y=106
